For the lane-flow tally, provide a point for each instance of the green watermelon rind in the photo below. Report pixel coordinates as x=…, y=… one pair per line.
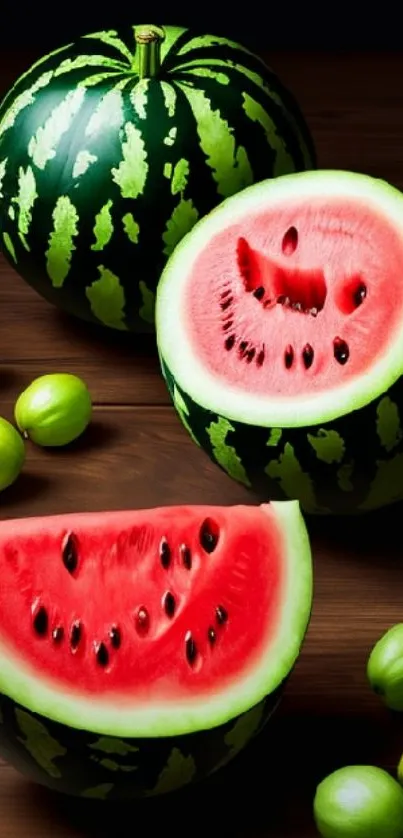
x=351, y=465
x=179, y=355
x=81, y=763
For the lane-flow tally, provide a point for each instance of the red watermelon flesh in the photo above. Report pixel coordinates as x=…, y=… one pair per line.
x=163, y=607
x=295, y=298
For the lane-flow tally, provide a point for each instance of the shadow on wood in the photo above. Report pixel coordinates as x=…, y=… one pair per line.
x=97, y=436
x=372, y=533
x=28, y=486
x=99, y=338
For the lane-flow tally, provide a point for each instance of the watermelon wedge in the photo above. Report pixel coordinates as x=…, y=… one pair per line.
x=280, y=333
x=141, y=650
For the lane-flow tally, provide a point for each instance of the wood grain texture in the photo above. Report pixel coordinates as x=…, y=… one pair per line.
x=138, y=454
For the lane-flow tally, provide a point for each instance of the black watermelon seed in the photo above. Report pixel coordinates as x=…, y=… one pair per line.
x=359, y=294
x=260, y=358
x=226, y=304
x=221, y=614
x=142, y=620
x=340, y=350
x=58, y=634
x=102, y=654
x=290, y=241
x=208, y=535
x=307, y=355
x=288, y=357
x=227, y=325
x=225, y=293
x=230, y=342
x=75, y=634
x=41, y=620
x=186, y=556
x=115, y=637
x=212, y=637
x=259, y=292
x=169, y=604
x=190, y=648
x=70, y=552
x=250, y=355
x=243, y=345
x=165, y=553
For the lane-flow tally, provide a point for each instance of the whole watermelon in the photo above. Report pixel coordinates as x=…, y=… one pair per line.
x=112, y=147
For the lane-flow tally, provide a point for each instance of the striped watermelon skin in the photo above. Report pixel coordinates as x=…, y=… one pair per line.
x=102, y=174
x=81, y=764
x=351, y=465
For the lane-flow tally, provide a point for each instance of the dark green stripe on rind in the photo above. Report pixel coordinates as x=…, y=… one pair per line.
x=181, y=39
x=201, y=187
x=37, y=70
x=247, y=66
x=104, y=767
x=256, y=124
x=347, y=466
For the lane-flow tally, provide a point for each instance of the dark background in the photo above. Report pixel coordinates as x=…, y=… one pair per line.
x=271, y=24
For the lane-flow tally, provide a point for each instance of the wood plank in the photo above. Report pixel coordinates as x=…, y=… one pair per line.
x=36, y=338
x=351, y=103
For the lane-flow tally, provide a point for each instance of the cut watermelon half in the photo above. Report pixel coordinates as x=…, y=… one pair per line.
x=146, y=625
x=280, y=333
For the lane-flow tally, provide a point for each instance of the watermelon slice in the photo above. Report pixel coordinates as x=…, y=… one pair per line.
x=280, y=333
x=140, y=650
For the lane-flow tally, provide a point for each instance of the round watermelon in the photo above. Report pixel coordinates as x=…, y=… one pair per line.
x=280, y=332
x=142, y=650
x=112, y=147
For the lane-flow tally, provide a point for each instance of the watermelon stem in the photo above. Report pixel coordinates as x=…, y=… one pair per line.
x=148, y=50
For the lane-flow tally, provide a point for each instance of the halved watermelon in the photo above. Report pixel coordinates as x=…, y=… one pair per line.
x=140, y=650
x=280, y=333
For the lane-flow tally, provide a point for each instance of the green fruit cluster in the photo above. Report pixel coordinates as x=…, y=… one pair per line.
x=52, y=411
x=359, y=801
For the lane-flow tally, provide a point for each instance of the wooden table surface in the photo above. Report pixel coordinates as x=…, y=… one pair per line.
x=138, y=454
